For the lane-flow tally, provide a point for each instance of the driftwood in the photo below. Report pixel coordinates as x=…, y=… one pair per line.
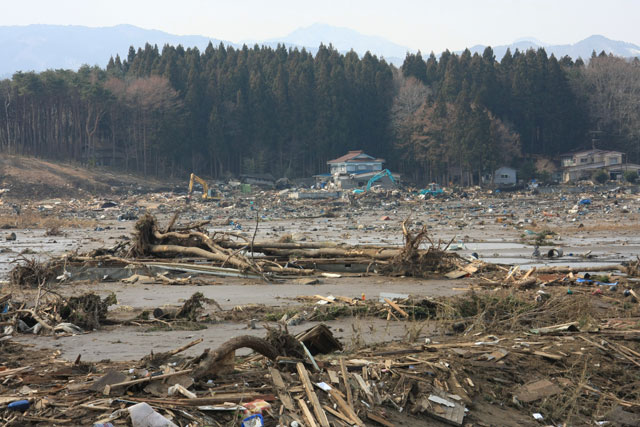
x=415, y=262
x=210, y=360
x=159, y=358
x=408, y=260
x=150, y=241
x=526, y=283
x=197, y=252
x=369, y=253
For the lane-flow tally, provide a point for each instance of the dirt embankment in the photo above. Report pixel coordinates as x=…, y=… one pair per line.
x=31, y=178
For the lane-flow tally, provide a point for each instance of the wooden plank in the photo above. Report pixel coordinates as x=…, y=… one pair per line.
x=350, y=301
x=311, y=395
x=363, y=385
x=451, y=412
x=8, y=399
x=471, y=268
x=50, y=421
x=456, y=274
x=281, y=389
x=528, y=273
x=512, y=272
x=548, y=355
x=626, y=356
x=277, y=378
x=456, y=388
x=200, y=401
x=345, y=408
x=345, y=378
x=108, y=388
x=14, y=371
x=337, y=414
x=307, y=413
x=536, y=390
x=495, y=356
x=333, y=376
x=396, y=307
x=327, y=300
x=377, y=418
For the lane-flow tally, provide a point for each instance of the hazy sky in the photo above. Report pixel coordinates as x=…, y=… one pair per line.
x=426, y=25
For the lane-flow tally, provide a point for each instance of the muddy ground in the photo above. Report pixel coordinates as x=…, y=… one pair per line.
x=609, y=235
x=502, y=228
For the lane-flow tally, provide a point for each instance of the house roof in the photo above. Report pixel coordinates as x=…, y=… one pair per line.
x=354, y=157
x=502, y=168
x=588, y=152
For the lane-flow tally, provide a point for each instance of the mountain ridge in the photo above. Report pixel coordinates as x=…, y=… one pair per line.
x=39, y=47
x=581, y=49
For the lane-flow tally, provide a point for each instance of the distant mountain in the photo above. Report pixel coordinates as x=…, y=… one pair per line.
x=41, y=47
x=582, y=49
x=343, y=39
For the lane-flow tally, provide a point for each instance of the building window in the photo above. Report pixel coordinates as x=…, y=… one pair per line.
x=583, y=160
x=504, y=176
x=613, y=160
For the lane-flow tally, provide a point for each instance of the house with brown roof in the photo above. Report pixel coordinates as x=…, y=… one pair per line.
x=355, y=169
x=355, y=162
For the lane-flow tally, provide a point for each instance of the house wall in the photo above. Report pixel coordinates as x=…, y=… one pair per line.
x=353, y=167
x=613, y=159
x=582, y=165
x=504, y=176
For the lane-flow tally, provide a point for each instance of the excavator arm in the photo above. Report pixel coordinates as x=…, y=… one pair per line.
x=381, y=174
x=205, y=187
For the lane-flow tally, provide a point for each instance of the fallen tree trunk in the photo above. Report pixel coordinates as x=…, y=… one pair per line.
x=198, y=252
x=352, y=252
x=232, y=244
x=209, y=363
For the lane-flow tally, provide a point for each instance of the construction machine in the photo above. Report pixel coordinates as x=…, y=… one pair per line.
x=433, y=190
x=207, y=193
x=379, y=176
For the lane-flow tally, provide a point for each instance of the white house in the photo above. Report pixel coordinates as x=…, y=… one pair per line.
x=505, y=176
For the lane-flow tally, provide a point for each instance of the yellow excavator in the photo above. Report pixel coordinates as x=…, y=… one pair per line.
x=207, y=194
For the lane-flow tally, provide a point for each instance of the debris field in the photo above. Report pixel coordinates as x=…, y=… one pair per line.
x=472, y=308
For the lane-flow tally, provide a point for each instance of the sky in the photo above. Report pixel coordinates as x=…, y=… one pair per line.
x=428, y=25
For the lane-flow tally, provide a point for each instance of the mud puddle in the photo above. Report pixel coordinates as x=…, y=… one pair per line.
x=132, y=342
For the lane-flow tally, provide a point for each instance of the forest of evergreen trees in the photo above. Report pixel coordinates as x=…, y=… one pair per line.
x=228, y=111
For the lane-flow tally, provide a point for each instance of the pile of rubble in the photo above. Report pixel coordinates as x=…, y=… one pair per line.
x=492, y=349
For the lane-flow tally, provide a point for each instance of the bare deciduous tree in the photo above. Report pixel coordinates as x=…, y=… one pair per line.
x=612, y=86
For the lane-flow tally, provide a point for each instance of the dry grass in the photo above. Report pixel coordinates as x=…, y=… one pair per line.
x=45, y=221
x=507, y=310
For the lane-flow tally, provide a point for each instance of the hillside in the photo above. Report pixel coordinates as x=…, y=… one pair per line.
x=28, y=177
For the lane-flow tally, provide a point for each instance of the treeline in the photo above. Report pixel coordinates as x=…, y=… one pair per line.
x=478, y=114
x=461, y=116
x=222, y=111
x=228, y=111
